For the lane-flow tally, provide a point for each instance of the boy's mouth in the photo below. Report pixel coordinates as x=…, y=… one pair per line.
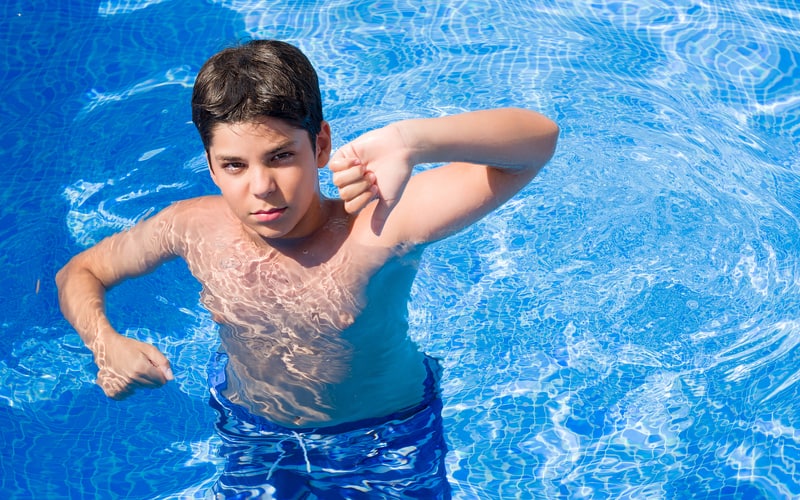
x=268, y=215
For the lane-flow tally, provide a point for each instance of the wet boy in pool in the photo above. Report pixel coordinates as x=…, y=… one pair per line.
x=309, y=293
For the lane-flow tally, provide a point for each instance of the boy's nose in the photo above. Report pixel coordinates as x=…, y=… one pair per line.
x=262, y=183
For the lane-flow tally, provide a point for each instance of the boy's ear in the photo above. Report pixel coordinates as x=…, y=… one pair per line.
x=323, y=144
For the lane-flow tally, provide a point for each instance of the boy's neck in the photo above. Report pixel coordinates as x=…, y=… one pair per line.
x=316, y=245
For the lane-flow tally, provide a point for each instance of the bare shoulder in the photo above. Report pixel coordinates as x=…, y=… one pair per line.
x=178, y=223
x=193, y=212
x=203, y=203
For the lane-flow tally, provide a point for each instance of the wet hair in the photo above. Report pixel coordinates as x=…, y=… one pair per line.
x=260, y=78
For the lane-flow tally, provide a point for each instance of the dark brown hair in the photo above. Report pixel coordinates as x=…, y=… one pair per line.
x=261, y=78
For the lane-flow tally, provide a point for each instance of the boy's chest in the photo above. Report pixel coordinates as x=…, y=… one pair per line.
x=256, y=289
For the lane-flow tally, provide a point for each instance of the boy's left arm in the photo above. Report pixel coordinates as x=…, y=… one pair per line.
x=495, y=153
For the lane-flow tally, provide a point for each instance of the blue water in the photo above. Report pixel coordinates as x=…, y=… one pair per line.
x=627, y=327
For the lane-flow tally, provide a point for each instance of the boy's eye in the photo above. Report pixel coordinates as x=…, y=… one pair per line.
x=232, y=166
x=283, y=156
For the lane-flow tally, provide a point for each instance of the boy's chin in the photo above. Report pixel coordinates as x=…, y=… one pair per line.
x=263, y=233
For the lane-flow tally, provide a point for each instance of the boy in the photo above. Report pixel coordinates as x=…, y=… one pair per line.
x=309, y=293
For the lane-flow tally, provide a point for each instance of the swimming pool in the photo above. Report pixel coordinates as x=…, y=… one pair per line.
x=627, y=327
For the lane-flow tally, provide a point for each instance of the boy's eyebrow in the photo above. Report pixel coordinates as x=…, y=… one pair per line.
x=277, y=149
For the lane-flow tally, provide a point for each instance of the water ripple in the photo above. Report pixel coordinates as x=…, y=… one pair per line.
x=625, y=328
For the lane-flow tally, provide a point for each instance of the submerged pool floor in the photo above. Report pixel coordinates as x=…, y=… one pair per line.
x=626, y=327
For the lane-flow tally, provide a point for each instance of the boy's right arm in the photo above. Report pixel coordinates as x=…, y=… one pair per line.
x=124, y=364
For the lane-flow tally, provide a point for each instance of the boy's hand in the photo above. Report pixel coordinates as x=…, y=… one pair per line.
x=127, y=364
x=374, y=165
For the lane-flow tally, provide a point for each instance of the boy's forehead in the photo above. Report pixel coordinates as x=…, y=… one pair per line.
x=268, y=129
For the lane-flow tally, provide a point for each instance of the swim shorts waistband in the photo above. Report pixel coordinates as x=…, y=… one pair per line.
x=234, y=416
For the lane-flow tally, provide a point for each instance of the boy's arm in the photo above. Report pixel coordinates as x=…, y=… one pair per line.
x=496, y=153
x=124, y=364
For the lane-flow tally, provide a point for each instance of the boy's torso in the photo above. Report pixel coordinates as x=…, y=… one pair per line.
x=315, y=333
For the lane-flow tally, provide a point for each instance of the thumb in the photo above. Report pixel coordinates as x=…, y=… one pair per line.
x=381, y=214
x=343, y=153
x=167, y=371
x=160, y=361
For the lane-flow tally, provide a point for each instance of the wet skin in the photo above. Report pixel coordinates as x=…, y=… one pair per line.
x=310, y=293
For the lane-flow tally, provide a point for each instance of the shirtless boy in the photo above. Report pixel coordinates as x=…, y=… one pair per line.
x=309, y=293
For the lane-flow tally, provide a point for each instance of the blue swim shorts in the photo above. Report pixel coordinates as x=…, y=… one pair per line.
x=397, y=456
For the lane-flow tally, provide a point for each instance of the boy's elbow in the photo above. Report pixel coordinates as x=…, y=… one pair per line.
x=76, y=266
x=552, y=138
x=555, y=130
x=550, y=132
x=63, y=275
x=546, y=144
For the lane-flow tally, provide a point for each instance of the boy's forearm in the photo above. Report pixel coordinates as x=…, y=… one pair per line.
x=508, y=138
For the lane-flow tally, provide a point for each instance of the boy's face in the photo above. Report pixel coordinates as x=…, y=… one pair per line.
x=267, y=173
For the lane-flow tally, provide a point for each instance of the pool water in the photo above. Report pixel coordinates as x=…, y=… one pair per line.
x=627, y=327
